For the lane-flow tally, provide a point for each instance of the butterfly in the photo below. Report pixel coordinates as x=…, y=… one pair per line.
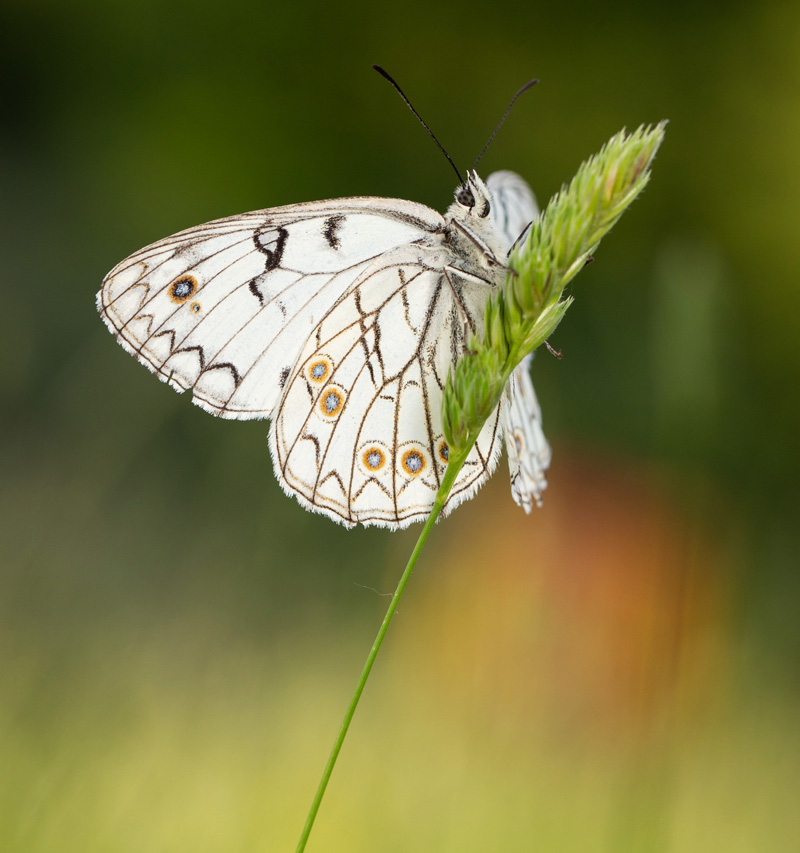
x=339, y=321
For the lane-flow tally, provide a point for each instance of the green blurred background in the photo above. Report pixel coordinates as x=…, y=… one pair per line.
x=178, y=640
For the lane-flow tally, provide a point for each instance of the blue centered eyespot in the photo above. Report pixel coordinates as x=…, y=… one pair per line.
x=413, y=462
x=182, y=288
x=331, y=402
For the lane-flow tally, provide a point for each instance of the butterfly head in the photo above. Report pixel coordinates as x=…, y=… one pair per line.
x=473, y=197
x=472, y=230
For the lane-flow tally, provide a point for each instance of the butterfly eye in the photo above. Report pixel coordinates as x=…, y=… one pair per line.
x=485, y=211
x=464, y=196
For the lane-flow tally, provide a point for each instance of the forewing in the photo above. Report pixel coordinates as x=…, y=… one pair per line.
x=528, y=450
x=513, y=204
x=225, y=308
x=358, y=434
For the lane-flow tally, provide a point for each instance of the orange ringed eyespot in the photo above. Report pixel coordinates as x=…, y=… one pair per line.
x=182, y=288
x=331, y=402
x=444, y=451
x=373, y=458
x=319, y=370
x=413, y=462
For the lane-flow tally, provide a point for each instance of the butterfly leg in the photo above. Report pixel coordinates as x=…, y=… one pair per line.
x=468, y=321
x=556, y=353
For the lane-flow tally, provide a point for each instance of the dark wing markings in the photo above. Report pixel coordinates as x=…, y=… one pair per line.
x=407, y=309
x=208, y=313
x=364, y=486
x=456, y=290
x=269, y=344
x=157, y=333
x=315, y=441
x=426, y=400
x=422, y=337
x=319, y=345
x=291, y=447
x=151, y=318
x=107, y=306
x=330, y=228
x=224, y=365
x=354, y=380
x=364, y=330
x=196, y=237
x=150, y=271
x=256, y=292
x=281, y=216
x=433, y=369
x=196, y=348
x=401, y=387
x=453, y=332
x=300, y=309
x=170, y=333
x=273, y=249
x=330, y=475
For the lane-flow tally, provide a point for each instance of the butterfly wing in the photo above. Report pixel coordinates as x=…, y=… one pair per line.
x=513, y=204
x=339, y=320
x=513, y=208
x=527, y=448
x=225, y=308
x=358, y=435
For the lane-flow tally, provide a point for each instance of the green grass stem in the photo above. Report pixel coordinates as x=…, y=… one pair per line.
x=453, y=467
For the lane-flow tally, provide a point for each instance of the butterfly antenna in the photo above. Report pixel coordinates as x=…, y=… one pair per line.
x=421, y=120
x=529, y=85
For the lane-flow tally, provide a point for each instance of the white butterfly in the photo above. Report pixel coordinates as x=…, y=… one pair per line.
x=339, y=321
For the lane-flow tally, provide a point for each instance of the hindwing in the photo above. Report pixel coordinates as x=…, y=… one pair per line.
x=359, y=432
